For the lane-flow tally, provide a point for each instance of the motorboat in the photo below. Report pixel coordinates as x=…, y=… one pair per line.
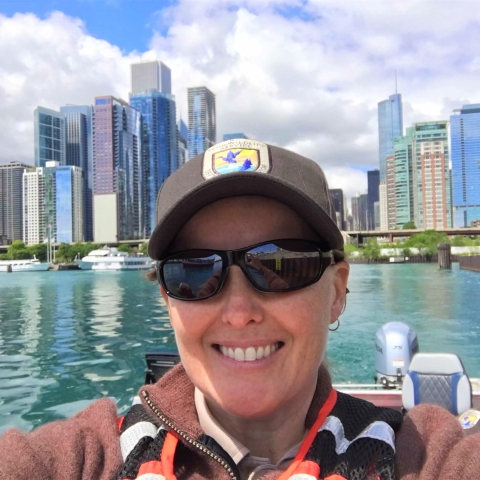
x=111, y=259
x=29, y=265
x=397, y=361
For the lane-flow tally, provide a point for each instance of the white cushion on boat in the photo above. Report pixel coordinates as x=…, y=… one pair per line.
x=437, y=378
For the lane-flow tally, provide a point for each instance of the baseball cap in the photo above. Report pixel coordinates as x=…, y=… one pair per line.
x=244, y=167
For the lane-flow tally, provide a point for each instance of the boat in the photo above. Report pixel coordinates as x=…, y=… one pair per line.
x=395, y=347
x=29, y=265
x=198, y=262
x=110, y=259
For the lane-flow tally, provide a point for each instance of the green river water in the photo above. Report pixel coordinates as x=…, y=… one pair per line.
x=67, y=338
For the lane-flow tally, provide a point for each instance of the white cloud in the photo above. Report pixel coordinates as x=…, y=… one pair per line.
x=50, y=63
x=310, y=82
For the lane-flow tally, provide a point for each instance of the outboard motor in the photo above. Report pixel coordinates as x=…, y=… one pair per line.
x=396, y=344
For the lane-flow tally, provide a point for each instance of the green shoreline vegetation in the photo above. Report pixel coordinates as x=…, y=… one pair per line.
x=427, y=241
x=65, y=253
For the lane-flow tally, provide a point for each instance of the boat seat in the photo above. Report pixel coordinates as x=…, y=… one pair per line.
x=439, y=379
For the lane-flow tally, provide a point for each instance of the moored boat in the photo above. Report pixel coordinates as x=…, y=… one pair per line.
x=110, y=259
x=28, y=265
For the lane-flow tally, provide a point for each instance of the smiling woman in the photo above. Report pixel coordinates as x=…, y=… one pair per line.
x=250, y=265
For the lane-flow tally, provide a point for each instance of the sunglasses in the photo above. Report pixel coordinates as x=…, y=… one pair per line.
x=273, y=266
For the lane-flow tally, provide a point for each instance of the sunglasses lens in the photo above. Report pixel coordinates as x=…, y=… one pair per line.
x=192, y=276
x=283, y=265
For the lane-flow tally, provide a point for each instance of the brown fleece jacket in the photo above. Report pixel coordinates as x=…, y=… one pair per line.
x=431, y=444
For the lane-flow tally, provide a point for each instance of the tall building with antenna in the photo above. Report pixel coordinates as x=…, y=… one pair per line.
x=390, y=125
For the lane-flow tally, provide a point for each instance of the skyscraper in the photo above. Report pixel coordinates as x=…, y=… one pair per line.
x=359, y=211
x=11, y=201
x=78, y=152
x=48, y=126
x=431, y=175
x=390, y=125
x=202, y=123
x=150, y=75
x=373, y=177
x=159, y=148
x=403, y=186
x=338, y=199
x=117, y=171
x=53, y=204
x=465, y=141
x=182, y=135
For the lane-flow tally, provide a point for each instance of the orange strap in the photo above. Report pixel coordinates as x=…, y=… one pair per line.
x=120, y=423
x=153, y=466
x=168, y=453
x=171, y=441
x=307, y=443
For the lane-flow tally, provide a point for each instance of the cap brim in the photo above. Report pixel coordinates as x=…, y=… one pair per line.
x=236, y=184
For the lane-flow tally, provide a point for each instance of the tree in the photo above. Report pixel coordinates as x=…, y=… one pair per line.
x=144, y=248
x=409, y=226
x=39, y=250
x=371, y=248
x=427, y=240
x=64, y=253
x=18, y=251
x=461, y=241
x=125, y=248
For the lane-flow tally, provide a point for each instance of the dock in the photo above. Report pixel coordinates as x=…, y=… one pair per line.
x=471, y=263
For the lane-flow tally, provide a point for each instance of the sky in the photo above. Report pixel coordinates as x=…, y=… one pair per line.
x=306, y=75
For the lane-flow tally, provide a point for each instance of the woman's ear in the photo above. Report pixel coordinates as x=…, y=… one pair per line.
x=340, y=280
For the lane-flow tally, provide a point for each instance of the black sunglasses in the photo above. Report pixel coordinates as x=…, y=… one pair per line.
x=273, y=266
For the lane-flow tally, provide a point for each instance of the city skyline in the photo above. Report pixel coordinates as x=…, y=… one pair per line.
x=270, y=83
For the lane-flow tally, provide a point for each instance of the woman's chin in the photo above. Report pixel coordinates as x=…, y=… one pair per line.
x=247, y=405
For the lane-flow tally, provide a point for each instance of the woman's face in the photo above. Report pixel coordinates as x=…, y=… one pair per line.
x=241, y=317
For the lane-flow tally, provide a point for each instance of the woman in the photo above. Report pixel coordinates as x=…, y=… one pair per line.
x=252, y=271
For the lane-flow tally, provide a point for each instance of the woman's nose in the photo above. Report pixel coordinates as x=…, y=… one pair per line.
x=241, y=304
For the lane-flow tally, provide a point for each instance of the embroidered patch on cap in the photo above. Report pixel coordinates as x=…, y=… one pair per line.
x=237, y=155
x=469, y=419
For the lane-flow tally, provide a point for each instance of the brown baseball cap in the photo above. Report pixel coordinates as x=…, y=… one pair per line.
x=244, y=167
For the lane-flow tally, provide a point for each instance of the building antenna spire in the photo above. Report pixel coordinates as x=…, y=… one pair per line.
x=396, y=81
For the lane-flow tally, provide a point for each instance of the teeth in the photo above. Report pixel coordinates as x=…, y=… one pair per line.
x=249, y=354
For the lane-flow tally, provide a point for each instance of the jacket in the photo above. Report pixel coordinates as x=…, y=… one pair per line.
x=430, y=445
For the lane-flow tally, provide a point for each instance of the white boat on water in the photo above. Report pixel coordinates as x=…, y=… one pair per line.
x=110, y=259
x=30, y=265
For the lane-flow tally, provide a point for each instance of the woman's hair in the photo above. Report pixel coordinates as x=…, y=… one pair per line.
x=338, y=256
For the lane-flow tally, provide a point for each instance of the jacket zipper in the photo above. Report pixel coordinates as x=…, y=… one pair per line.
x=188, y=439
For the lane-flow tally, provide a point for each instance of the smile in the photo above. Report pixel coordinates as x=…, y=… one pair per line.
x=249, y=354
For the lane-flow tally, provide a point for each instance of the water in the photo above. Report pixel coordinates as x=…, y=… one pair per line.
x=67, y=338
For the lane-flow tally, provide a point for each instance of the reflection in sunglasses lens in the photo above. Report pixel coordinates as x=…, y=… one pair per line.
x=282, y=266
x=192, y=277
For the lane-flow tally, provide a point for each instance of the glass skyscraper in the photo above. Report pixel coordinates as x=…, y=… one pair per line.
x=159, y=148
x=202, y=120
x=373, y=177
x=53, y=204
x=48, y=126
x=78, y=151
x=390, y=125
x=117, y=171
x=465, y=141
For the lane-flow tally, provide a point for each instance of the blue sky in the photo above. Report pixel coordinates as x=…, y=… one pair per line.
x=127, y=24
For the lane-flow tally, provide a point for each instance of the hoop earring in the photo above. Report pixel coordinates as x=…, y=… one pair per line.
x=337, y=327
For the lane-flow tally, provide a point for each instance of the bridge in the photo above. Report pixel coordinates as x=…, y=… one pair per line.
x=359, y=235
